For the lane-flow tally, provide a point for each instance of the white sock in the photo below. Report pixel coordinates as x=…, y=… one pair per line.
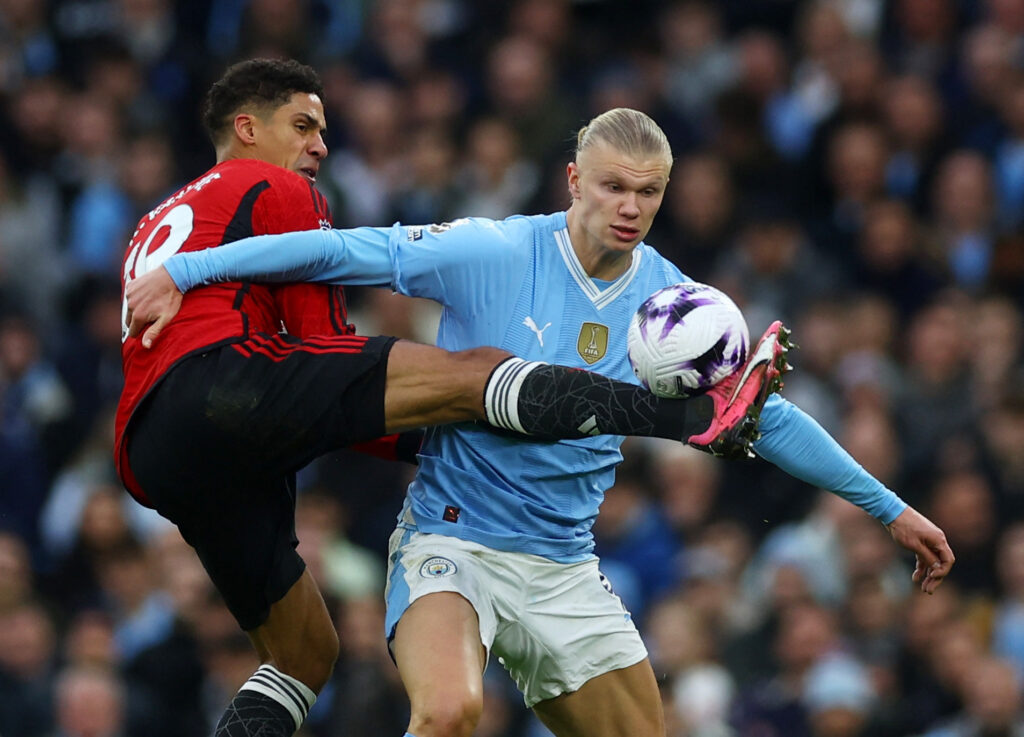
x=292, y=694
x=501, y=395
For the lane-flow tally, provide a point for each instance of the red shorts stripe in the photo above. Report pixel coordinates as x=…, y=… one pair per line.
x=279, y=347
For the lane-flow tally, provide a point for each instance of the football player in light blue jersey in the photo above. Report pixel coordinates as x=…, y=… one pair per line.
x=493, y=551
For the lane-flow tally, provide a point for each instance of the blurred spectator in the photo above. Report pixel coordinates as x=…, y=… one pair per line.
x=682, y=651
x=855, y=170
x=820, y=31
x=868, y=374
x=986, y=73
x=920, y=37
x=698, y=220
x=143, y=615
x=98, y=525
x=686, y=485
x=28, y=650
x=90, y=141
x=998, y=352
x=914, y=120
x=28, y=46
x=35, y=406
x=430, y=194
x=964, y=212
x=522, y=89
x=88, y=357
x=496, y=180
x=774, y=255
x=839, y=698
x=871, y=617
x=992, y=704
x=890, y=258
x=104, y=213
x=763, y=73
x=775, y=706
x=713, y=567
x=700, y=63
x=89, y=641
x=965, y=504
x=935, y=364
x=342, y=569
x=90, y=702
x=31, y=264
x=437, y=101
x=368, y=172
x=396, y=45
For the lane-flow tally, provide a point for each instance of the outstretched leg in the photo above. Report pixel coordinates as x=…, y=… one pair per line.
x=429, y=386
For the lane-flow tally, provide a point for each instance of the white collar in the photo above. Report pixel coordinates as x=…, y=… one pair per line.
x=599, y=297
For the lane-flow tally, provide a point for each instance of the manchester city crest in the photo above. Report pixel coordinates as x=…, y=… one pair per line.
x=438, y=567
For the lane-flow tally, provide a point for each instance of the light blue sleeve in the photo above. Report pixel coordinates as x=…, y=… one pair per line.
x=472, y=265
x=354, y=256
x=796, y=443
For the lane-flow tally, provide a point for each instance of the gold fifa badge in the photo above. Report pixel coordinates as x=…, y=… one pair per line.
x=592, y=343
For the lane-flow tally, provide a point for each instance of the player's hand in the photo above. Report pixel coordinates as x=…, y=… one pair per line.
x=153, y=299
x=918, y=534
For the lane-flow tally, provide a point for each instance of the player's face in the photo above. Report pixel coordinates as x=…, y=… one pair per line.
x=615, y=198
x=292, y=136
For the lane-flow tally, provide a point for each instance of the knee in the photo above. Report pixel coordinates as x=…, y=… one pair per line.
x=447, y=717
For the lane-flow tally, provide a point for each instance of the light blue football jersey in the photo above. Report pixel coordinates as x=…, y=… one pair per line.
x=517, y=284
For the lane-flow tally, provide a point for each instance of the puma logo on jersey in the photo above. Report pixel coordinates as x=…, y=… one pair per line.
x=528, y=322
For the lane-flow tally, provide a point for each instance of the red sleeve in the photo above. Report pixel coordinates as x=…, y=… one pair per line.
x=292, y=204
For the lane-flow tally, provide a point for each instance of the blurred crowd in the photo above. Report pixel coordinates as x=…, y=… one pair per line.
x=854, y=167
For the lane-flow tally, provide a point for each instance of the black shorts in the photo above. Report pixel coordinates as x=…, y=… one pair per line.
x=216, y=444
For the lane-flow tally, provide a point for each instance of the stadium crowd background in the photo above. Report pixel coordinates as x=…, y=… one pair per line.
x=855, y=167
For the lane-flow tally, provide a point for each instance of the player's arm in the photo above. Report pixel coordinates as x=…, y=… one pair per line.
x=352, y=256
x=796, y=443
x=355, y=256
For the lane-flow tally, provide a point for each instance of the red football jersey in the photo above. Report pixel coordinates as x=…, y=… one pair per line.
x=235, y=199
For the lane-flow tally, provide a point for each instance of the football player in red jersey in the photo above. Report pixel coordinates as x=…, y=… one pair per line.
x=215, y=418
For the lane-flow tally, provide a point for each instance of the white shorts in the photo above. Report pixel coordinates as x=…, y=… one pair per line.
x=553, y=626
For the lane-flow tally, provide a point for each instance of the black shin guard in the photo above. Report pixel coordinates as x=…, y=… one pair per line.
x=550, y=402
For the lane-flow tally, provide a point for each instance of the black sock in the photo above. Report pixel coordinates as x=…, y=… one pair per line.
x=252, y=714
x=550, y=402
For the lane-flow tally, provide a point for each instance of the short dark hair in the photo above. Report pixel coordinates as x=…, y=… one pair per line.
x=263, y=83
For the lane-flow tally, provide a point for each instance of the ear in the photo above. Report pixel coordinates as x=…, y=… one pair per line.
x=245, y=125
x=572, y=172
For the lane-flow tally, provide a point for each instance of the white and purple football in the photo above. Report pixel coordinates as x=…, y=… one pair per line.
x=686, y=338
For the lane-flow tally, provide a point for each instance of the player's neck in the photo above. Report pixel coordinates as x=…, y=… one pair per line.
x=597, y=259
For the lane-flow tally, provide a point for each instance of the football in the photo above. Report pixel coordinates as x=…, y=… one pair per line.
x=686, y=338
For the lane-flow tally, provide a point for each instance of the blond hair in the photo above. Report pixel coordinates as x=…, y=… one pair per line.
x=629, y=131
